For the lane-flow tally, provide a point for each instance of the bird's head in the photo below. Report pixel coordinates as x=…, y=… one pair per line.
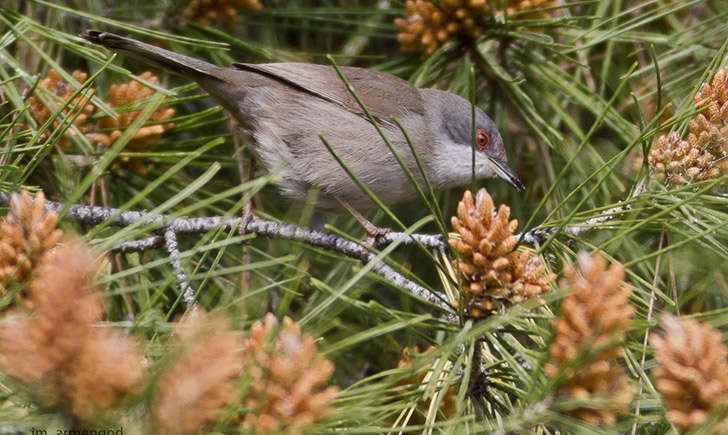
x=450, y=118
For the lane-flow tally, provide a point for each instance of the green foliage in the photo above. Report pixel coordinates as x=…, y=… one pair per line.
x=577, y=96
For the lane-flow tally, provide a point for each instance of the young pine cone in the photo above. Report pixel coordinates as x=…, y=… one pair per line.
x=691, y=372
x=78, y=107
x=27, y=234
x=424, y=26
x=594, y=319
x=467, y=14
x=709, y=130
x=147, y=136
x=57, y=350
x=493, y=276
x=194, y=390
x=429, y=26
x=705, y=153
x=681, y=162
x=710, y=137
x=714, y=95
x=225, y=12
x=287, y=379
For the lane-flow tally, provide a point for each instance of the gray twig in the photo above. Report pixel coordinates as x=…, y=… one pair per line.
x=537, y=236
x=429, y=241
x=170, y=242
x=151, y=242
x=171, y=226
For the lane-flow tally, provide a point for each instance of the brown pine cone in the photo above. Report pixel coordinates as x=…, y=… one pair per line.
x=225, y=12
x=54, y=83
x=287, y=379
x=28, y=233
x=195, y=389
x=58, y=351
x=493, y=276
x=146, y=138
x=593, y=321
x=681, y=162
x=691, y=372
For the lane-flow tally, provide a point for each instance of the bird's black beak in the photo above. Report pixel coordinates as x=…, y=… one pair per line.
x=507, y=174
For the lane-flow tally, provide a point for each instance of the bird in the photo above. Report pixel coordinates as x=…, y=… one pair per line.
x=286, y=110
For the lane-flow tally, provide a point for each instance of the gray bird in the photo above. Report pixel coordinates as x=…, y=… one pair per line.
x=281, y=109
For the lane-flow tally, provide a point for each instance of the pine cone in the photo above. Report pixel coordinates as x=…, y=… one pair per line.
x=225, y=12
x=711, y=137
x=594, y=319
x=493, y=275
x=705, y=153
x=467, y=14
x=714, y=95
x=54, y=83
x=57, y=351
x=424, y=26
x=147, y=136
x=429, y=26
x=28, y=234
x=287, y=379
x=691, y=371
x=681, y=162
x=196, y=388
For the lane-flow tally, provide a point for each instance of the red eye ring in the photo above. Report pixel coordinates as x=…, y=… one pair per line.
x=482, y=140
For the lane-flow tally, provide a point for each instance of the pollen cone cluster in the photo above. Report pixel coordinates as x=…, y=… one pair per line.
x=449, y=399
x=78, y=109
x=107, y=130
x=594, y=319
x=691, y=372
x=287, y=379
x=27, y=234
x=493, y=275
x=225, y=12
x=714, y=97
x=680, y=162
x=428, y=26
x=196, y=388
x=704, y=154
x=55, y=349
x=147, y=136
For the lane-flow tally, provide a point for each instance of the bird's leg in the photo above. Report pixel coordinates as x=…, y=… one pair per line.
x=250, y=173
x=246, y=175
x=372, y=230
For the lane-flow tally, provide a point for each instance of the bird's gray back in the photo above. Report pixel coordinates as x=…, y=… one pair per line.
x=383, y=94
x=295, y=103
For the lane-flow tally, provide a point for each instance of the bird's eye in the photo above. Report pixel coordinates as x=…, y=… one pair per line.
x=482, y=140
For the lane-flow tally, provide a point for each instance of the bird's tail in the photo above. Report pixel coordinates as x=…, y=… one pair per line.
x=169, y=60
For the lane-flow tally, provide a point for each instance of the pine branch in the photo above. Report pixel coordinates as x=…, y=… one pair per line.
x=169, y=227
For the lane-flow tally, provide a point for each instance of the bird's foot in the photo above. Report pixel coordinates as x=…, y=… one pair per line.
x=374, y=232
x=244, y=222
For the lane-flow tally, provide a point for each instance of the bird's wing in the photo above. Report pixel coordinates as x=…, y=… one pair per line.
x=384, y=95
